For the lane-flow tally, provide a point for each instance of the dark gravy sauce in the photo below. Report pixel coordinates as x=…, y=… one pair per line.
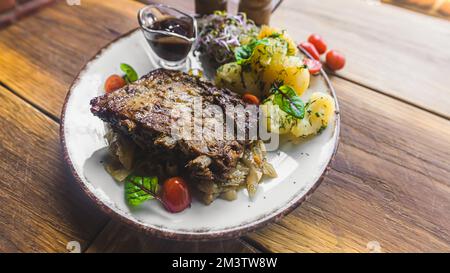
x=168, y=47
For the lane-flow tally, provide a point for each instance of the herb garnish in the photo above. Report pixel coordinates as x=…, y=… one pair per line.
x=139, y=189
x=285, y=97
x=244, y=53
x=130, y=73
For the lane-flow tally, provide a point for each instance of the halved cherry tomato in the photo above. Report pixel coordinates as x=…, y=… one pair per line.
x=114, y=82
x=251, y=99
x=335, y=60
x=175, y=194
x=314, y=66
x=311, y=49
x=318, y=42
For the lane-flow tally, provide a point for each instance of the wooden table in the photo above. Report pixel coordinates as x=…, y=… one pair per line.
x=390, y=181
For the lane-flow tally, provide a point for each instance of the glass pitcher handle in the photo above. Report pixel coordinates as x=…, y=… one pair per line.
x=276, y=5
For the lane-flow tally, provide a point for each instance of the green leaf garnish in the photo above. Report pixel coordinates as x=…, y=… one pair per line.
x=244, y=53
x=130, y=73
x=288, y=101
x=139, y=189
x=275, y=35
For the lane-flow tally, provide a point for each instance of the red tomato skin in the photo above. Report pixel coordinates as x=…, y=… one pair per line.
x=311, y=49
x=314, y=66
x=175, y=195
x=335, y=60
x=113, y=83
x=318, y=42
x=250, y=99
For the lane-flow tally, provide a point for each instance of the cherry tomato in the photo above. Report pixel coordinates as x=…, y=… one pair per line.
x=175, y=194
x=318, y=42
x=311, y=49
x=114, y=82
x=335, y=60
x=314, y=66
x=251, y=99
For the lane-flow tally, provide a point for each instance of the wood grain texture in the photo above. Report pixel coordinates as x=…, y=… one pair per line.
x=118, y=238
x=429, y=7
x=42, y=55
x=188, y=6
x=384, y=46
x=45, y=51
x=42, y=209
x=390, y=49
x=390, y=183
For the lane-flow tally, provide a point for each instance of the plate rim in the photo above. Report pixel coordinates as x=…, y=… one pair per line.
x=231, y=233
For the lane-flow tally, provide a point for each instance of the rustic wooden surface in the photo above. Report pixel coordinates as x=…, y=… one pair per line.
x=118, y=238
x=42, y=209
x=384, y=45
x=44, y=52
x=389, y=182
x=392, y=50
x=440, y=8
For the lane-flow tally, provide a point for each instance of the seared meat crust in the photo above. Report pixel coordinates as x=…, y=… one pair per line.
x=143, y=111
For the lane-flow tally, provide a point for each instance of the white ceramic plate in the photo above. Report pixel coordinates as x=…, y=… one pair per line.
x=300, y=166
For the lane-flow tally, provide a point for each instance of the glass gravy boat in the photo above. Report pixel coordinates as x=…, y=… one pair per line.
x=170, y=33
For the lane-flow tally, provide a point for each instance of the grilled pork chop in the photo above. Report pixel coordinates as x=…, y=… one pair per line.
x=143, y=111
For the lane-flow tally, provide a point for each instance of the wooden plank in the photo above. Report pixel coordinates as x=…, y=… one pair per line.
x=433, y=7
x=382, y=44
x=42, y=209
x=188, y=6
x=118, y=238
x=48, y=50
x=389, y=183
x=42, y=54
x=393, y=50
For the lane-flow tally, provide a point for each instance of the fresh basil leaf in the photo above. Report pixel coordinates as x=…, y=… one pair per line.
x=138, y=189
x=244, y=53
x=288, y=101
x=130, y=73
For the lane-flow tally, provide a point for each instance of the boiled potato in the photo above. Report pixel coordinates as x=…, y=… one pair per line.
x=277, y=120
x=296, y=75
x=289, y=71
x=270, y=62
x=262, y=56
x=267, y=31
x=234, y=77
x=252, y=82
x=271, y=74
x=274, y=52
x=318, y=114
x=229, y=76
